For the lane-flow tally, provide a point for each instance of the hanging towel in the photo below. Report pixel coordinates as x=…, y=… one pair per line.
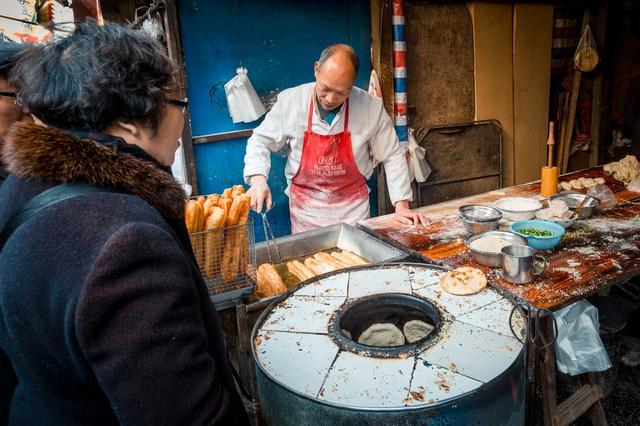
x=419, y=168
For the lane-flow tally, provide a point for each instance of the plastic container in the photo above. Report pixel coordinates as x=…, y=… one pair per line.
x=537, y=242
x=548, y=181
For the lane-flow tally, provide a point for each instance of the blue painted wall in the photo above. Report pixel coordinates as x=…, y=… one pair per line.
x=278, y=42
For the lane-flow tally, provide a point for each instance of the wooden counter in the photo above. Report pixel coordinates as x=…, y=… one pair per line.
x=594, y=253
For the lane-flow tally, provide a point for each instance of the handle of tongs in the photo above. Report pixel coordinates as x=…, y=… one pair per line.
x=269, y=236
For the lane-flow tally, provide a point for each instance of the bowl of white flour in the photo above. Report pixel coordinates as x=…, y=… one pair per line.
x=518, y=208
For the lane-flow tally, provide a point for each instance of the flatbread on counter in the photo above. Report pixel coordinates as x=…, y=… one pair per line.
x=464, y=281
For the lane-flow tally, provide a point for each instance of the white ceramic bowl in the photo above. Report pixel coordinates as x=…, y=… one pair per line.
x=517, y=208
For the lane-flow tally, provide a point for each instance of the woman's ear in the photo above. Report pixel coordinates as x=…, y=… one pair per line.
x=129, y=128
x=132, y=133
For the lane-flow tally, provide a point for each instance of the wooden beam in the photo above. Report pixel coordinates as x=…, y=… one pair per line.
x=547, y=371
x=596, y=412
x=597, y=109
x=385, y=74
x=577, y=404
x=225, y=136
x=174, y=47
x=386, y=59
x=376, y=9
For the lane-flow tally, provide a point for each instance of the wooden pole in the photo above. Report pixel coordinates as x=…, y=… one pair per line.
x=573, y=104
x=174, y=48
x=597, y=109
x=550, y=143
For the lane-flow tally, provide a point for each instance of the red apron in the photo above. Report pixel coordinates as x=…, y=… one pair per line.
x=328, y=187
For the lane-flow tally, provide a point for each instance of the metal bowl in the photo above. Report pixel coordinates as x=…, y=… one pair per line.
x=478, y=219
x=492, y=259
x=515, y=215
x=573, y=200
x=565, y=223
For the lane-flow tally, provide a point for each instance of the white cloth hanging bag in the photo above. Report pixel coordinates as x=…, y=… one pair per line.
x=242, y=99
x=419, y=168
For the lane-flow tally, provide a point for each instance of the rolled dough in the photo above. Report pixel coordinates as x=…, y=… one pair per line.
x=415, y=330
x=382, y=335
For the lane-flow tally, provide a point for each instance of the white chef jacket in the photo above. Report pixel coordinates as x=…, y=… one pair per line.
x=373, y=137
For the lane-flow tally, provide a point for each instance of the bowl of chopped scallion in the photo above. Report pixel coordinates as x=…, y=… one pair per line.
x=540, y=234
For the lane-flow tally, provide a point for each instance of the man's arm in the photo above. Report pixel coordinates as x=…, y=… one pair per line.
x=268, y=137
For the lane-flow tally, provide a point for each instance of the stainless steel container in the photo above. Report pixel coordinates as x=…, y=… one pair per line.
x=493, y=260
x=519, y=264
x=573, y=200
x=478, y=218
x=342, y=236
x=504, y=204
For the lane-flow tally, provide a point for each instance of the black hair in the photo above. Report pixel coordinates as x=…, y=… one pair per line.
x=331, y=50
x=94, y=78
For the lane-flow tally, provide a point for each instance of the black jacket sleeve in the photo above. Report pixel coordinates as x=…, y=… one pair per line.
x=140, y=328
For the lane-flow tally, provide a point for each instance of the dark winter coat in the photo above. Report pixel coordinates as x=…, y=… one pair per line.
x=103, y=317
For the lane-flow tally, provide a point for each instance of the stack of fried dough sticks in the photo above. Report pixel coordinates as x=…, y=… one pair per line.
x=216, y=224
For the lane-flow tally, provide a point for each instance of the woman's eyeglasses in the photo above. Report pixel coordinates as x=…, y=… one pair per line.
x=182, y=103
x=8, y=94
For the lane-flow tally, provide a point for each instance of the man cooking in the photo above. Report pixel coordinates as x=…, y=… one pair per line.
x=335, y=135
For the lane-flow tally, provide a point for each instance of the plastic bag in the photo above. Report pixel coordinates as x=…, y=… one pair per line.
x=374, y=85
x=578, y=347
x=604, y=194
x=242, y=99
x=586, y=57
x=634, y=185
x=419, y=169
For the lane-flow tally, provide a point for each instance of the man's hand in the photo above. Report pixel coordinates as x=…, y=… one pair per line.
x=259, y=192
x=407, y=217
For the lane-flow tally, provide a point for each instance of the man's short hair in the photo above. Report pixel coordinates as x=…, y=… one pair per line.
x=329, y=51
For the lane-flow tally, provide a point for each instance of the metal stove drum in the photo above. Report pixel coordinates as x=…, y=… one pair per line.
x=469, y=370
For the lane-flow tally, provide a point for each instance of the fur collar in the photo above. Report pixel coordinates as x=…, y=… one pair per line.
x=48, y=154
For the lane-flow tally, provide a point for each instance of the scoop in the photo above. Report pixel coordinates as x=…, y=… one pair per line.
x=580, y=206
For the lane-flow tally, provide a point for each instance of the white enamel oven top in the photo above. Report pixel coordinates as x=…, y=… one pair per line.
x=474, y=345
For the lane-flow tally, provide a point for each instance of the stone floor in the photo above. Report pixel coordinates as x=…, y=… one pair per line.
x=622, y=407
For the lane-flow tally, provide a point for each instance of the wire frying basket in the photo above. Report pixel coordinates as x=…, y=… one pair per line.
x=226, y=257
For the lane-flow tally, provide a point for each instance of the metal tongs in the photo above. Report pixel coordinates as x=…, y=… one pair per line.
x=268, y=235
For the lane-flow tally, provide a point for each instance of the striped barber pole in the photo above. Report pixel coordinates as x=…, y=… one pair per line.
x=399, y=70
